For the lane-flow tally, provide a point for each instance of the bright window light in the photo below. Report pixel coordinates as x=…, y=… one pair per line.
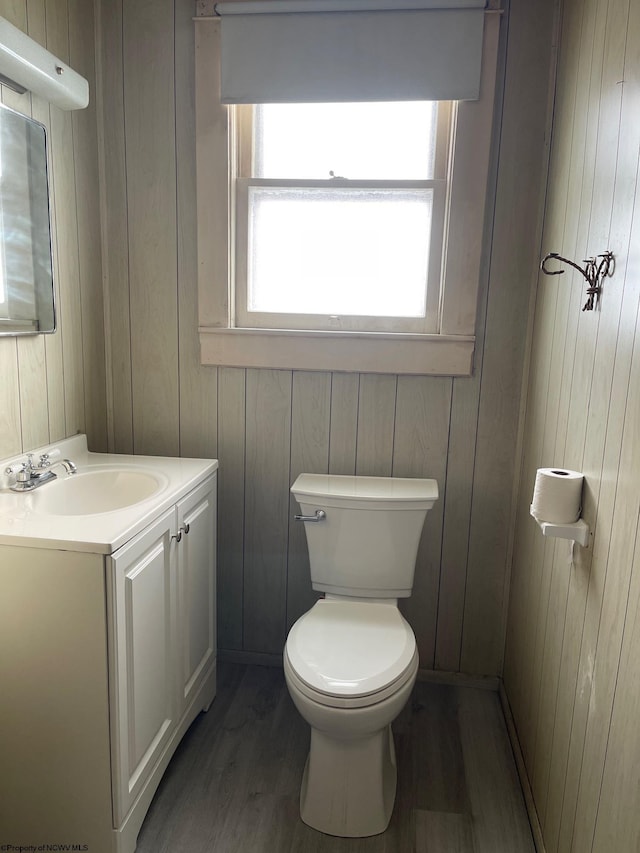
x=339, y=252
x=389, y=141
x=340, y=216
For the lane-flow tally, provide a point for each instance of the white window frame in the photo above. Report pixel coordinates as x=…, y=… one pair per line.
x=448, y=351
x=243, y=119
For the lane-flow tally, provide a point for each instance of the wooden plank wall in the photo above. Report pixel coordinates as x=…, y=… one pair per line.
x=53, y=386
x=265, y=426
x=573, y=638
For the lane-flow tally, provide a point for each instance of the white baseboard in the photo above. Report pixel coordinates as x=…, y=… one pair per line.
x=258, y=658
x=459, y=679
x=536, y=829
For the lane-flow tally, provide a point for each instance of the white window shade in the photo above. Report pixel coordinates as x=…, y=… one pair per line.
x=322, y=51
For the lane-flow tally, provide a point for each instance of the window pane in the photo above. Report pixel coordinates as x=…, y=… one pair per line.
x=339, y=251
x=394, y=141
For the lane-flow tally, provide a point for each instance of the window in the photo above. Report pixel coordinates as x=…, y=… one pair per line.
x=340, y=218
x=340, y=236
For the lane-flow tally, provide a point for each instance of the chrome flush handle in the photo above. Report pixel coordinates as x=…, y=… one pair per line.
x=319, y=516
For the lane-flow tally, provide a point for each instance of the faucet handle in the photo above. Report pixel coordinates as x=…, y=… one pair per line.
x=25, y=472
x=21, y=467
x=15, y=469
x=47, y=459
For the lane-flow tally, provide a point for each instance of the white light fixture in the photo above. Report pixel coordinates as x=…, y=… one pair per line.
x=25, y=65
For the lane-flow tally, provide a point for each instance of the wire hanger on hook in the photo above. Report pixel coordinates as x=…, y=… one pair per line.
x=593, y=273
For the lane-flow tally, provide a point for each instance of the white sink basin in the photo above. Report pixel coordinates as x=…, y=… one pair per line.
x=110, y=499
x=96, y=491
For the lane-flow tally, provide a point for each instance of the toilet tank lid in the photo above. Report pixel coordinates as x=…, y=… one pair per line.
x=401, y=489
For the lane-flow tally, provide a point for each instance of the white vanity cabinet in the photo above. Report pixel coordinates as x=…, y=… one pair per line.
x=196, y=518
x=161, y=605
x=107, y=655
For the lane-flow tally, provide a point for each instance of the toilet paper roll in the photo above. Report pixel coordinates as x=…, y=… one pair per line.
x=557, y=495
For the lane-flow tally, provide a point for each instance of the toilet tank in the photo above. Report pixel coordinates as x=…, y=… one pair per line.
x=367, y=543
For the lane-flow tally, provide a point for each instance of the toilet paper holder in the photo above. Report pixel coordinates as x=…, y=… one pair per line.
x=577, y=532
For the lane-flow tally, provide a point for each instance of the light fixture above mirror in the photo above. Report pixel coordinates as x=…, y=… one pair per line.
x=26, y=65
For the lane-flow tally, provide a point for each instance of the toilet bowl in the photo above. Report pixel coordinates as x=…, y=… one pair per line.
x=351, y=661
x=350, y=668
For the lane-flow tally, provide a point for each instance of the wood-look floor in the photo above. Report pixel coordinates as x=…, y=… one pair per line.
x=233, y=784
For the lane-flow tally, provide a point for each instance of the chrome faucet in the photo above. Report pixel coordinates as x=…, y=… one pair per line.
x=29, y=476
x=67, y=464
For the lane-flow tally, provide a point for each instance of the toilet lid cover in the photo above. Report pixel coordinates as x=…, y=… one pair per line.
x=344, y=648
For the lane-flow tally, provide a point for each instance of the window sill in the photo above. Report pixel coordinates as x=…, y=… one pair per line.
x=362, y=352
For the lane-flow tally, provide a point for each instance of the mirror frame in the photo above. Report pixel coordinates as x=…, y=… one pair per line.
x=54, y=306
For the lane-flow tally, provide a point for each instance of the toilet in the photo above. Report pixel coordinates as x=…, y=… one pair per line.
x=351, y=661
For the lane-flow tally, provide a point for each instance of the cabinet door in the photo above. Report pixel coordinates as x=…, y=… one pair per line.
x=196, y=587
x=142, y=595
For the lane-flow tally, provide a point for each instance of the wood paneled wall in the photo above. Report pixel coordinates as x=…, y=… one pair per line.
x=266, y=426
x=53, y=386
x=573, y=645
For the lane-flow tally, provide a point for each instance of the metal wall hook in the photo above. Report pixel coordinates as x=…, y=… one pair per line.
x=593, y=273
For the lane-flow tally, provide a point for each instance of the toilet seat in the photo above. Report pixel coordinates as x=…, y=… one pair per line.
x=348, y=654
x=366, y=701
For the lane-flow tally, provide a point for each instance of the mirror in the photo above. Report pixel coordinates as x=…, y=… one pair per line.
x=26, y=277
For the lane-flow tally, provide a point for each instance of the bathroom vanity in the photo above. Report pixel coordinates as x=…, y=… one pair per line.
x=107, y=642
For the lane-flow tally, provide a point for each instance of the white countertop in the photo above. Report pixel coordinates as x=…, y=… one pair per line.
x=23, y=525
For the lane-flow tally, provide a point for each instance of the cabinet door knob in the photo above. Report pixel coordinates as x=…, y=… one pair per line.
x=184, y=528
